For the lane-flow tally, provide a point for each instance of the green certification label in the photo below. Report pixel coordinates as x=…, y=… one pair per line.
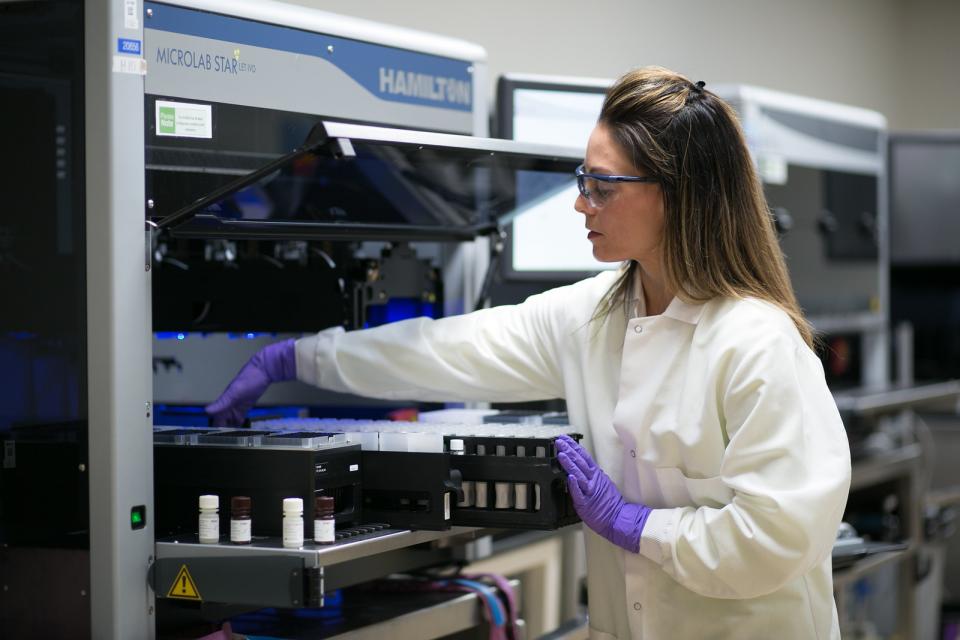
x=184, y=119
x=167, y=120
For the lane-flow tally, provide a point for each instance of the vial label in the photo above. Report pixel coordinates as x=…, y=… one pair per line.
x=209, y=528
x=240, y=530
x=293, y=532
x=323, y=530
x=446, y=506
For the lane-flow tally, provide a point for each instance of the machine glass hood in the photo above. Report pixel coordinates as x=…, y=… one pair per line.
x=356, y=181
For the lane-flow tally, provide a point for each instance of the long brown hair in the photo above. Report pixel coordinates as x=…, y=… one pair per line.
x=719, y=237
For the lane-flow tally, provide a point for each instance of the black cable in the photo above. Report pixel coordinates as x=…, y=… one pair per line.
x=497, y=242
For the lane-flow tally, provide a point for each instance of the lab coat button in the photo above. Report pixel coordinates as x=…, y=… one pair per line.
x=638, y=329
x=636, y=606
x=633, y=453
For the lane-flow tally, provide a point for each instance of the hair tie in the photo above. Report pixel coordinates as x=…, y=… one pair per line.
x=699, y=85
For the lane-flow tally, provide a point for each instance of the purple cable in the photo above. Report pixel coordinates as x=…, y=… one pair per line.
x=511, y=599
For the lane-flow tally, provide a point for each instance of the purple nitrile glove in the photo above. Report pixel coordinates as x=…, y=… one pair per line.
x=274, y=363
x=597, y=500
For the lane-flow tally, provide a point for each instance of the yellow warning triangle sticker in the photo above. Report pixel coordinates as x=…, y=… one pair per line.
x=184, y=587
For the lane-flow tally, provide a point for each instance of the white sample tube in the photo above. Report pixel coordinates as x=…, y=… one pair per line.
x=502, y=490
x=481, y=485
x=541, y=453
x=466, y=486
x=520, y=488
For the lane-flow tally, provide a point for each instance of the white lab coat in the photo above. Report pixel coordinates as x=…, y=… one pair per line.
x=716, y=415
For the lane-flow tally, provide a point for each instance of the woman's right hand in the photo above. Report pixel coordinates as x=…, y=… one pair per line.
x=273, y=363
x=597, y=500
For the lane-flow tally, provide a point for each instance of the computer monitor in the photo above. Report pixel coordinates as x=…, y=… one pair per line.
x=924, y=199
x=924, y=187
x=549, y=242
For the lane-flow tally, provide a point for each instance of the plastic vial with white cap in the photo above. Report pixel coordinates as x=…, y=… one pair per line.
x=293, y=523
x=209, y=523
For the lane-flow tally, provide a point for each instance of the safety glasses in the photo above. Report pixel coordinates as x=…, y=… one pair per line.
x=591, y=186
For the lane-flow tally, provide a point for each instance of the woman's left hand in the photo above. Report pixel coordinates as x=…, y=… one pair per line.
x=597, y=500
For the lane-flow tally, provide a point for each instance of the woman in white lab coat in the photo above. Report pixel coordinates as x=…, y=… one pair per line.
x=721, y=465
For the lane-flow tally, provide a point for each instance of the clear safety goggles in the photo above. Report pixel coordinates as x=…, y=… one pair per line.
x=598, y=189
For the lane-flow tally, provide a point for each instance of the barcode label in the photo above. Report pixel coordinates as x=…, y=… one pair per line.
x=131, y=19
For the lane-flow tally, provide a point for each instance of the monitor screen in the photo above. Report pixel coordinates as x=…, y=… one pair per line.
x=549, y=241
x=924, y=199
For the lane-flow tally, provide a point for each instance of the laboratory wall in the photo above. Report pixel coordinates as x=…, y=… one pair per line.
x=892, y=56
x=927, y=91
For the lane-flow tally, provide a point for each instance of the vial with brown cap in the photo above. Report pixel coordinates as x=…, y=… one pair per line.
x=240, y=522
x=324, y=522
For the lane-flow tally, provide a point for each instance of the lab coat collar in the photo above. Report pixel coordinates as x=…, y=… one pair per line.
x=684, y=311
x=688, y=312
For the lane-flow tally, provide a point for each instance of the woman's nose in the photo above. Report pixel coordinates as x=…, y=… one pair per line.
x=581, y=205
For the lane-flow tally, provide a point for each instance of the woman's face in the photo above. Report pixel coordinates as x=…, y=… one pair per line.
x=630, y=224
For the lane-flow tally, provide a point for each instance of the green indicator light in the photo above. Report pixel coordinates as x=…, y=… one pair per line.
x=138, y=517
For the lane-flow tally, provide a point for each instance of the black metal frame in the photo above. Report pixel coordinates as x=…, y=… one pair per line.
x=336, y=139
